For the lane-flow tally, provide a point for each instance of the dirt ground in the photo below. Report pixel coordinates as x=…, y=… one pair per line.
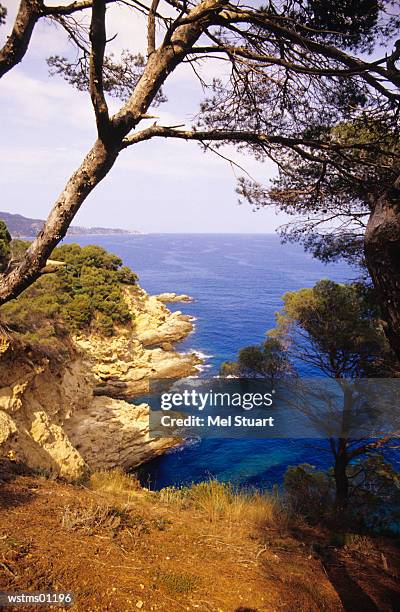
x=151, y=555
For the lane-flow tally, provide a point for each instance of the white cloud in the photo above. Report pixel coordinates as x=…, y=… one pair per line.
x=27, y=99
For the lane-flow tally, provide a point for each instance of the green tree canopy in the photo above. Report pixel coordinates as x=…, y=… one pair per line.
x=336, y=328
x=267, y=360
x=5, y=250
x=87, y=294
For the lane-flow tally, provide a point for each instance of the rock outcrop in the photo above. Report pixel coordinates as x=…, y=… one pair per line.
x=125, y=364
x=127, y=425
x=168, y=298
x=64, y=418
x=35, y=402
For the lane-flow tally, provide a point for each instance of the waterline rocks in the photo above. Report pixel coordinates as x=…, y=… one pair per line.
x=168, y=298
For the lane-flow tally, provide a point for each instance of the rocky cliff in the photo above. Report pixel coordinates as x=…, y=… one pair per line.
x=60, y=417
x=125, y=364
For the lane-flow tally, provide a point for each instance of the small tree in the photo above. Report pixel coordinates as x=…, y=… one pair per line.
x=336, y=329
x=5, y=249
x=268, y=360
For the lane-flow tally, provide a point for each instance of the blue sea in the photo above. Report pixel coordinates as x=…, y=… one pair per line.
x=237, y=282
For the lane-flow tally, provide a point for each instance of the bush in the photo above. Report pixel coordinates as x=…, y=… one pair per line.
x=93, y=517
x=5, y=250
x=87, y=294
x=308, y=492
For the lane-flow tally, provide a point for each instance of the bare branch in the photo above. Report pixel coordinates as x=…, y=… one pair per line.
x=151, y=28
x=238, y=136
x=29, y=12
x=97, y=37
x=69, y=8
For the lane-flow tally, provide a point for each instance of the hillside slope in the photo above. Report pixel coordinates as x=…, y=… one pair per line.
x=25, y=227
x=130, y=549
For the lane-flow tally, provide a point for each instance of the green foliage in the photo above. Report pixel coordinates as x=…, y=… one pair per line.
x=336, y=328
x=85, y=295
x=176, y=582
x=229, y=368
x=268, y=360
x=308, y=491
x=329, y=197
x=374, y=494
x=5, y=251
x=18, y=247
x=250, y=361
x=352, y=21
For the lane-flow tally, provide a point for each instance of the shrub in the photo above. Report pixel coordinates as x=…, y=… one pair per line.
x=309, y=492
x=5, y=250
x=176, y=582
x=86, y=294
x=92, y=517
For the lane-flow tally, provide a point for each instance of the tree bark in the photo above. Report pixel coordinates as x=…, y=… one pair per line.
x=341, y=478
x=17, y=43
x=94, y=167
x=382, y=253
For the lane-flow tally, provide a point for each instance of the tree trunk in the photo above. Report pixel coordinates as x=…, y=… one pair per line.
x=341, y=481
x=94, y=167
x=100, y=159
x=17, y=43
x=382, y=253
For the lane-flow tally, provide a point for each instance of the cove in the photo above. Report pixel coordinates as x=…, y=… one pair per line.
x=237, y=282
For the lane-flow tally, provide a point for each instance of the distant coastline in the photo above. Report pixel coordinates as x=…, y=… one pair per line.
x=24, y=227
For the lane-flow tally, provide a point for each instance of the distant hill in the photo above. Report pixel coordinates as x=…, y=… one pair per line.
x=23, y=227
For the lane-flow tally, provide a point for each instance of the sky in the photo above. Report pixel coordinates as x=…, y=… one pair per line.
x=155, y=186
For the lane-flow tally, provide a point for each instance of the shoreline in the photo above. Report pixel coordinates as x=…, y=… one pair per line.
x=71, y=418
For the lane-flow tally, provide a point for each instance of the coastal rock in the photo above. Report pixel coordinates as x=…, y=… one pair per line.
x=112, y=432
x=34, y=404
x=62, y=418
x=125, y=364
x=173, y=297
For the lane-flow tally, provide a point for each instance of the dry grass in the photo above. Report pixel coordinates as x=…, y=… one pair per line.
x=359, y=543
x=115, y=482
x=91, y=517
x=117, y=554
x=221, y=501
x=94, y=517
